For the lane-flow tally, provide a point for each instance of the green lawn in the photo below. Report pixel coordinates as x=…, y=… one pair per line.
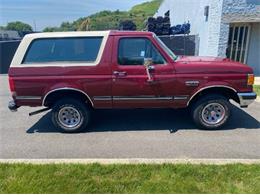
x=257, y=89
x=95, y=178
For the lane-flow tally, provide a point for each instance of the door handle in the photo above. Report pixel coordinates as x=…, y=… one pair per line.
x=120, y=74
x=151, y=68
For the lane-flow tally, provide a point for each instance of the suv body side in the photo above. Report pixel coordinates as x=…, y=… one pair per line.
x=107, y=84
x=72, y=73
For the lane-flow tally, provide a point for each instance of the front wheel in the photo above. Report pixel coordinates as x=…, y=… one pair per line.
x=211, y=112
x=70, y=115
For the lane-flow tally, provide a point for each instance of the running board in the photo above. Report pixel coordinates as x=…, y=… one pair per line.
x=39, y=111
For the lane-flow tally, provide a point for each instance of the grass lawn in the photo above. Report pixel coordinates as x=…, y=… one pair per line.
x=95, y=178
x=257, y=89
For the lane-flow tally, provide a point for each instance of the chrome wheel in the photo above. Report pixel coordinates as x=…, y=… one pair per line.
x=213, y=113
x=69, y=117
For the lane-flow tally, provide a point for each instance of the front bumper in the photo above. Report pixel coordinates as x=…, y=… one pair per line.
x=246, y=99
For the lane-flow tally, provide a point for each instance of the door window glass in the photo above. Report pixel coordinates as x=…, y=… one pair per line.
x=133, y=51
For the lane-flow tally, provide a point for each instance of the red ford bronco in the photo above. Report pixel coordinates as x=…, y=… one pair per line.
x=73, y=73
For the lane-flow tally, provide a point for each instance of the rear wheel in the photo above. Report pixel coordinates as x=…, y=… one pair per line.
x=70, y=115
x=211, y=112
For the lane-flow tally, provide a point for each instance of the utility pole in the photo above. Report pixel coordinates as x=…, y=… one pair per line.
x=85, y=25
x=34, y=24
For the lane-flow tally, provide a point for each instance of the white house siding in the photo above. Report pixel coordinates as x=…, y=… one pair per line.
x=189, y=10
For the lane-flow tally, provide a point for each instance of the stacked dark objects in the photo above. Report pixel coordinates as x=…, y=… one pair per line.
x=160, y=25
x=127, y=25
x=180, y=29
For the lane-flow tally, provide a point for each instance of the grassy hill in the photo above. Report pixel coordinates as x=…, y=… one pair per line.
x=106, y=20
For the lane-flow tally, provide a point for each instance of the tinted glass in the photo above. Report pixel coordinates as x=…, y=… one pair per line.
x=83, y=49
x=132, y=51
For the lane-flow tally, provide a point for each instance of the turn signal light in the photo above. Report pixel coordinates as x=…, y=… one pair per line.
x=250, y=79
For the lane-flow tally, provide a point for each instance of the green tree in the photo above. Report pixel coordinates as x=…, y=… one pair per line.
x=18, y=26
x=51, y=29
x=107, y=20
x=66, y=26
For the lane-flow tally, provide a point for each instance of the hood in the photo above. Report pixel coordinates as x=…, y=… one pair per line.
x=202, y=59
x=198, y=64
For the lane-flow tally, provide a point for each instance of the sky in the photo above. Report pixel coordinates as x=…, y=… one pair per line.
x=43, y=13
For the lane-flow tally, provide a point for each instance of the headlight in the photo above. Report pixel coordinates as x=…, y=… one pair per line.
x=250, y=79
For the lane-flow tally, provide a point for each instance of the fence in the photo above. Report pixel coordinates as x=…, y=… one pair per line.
x=7, y=51
x=182, y=44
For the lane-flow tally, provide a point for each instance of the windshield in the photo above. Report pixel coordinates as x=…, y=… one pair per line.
x=168, y=51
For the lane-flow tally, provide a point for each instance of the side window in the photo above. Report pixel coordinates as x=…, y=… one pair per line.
x=51, y=50
x=133, y=51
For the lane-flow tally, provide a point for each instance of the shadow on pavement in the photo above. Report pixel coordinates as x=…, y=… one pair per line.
x=147, y=120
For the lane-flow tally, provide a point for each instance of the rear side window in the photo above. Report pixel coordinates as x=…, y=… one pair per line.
x=53, y=50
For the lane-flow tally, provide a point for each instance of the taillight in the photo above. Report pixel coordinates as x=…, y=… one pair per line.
x=250, y=79
x=11, y=84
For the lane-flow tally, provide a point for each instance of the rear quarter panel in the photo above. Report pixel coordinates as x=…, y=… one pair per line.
x=38, y=81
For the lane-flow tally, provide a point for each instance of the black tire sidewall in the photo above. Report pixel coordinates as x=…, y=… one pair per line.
x=199, y=106
x=80, y=106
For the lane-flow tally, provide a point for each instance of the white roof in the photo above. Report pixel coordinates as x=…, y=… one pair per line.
x=67, y=34
x=21, y=50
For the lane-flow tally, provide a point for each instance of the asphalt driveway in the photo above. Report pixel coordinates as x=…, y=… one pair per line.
x=127, y=134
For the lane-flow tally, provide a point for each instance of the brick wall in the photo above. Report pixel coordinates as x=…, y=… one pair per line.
x=236, y=11
x=241, y=11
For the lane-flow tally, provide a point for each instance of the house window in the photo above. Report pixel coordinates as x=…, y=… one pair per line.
x=238, y=42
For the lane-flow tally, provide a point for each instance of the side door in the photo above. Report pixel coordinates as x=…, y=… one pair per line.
x=130, y=85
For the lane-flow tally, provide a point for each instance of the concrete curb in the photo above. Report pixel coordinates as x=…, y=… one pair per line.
x=132, y=161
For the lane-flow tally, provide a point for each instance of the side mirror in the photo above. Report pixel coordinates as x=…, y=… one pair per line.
x=148, y=62
x=149, y=68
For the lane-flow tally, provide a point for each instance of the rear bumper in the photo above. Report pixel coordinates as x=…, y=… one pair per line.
x=12, y=106
x=246, y=98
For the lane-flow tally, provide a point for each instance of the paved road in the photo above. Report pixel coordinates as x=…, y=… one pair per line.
x=128, y=134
